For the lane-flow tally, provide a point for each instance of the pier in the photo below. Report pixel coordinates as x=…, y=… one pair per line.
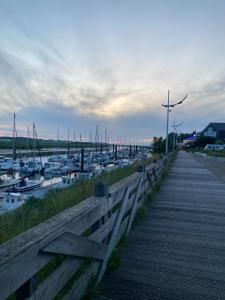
x=177, y=251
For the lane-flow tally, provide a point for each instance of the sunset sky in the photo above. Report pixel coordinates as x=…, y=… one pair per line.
x=77, y=64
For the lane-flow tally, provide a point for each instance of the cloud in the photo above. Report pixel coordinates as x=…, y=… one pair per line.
x=58, y=76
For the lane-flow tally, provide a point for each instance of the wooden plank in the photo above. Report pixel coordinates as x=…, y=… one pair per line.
x=23, y=252
x=53, y=284
x=71, y=244
x=27, y=288
x=31, y=260
x=134, y=206
x=177, y=251
x=60, y=276
x=80, y=286
x=112, y=241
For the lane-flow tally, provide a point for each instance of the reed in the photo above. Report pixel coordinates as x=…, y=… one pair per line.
x=35, y=211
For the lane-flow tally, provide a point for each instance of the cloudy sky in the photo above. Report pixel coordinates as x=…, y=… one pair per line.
x=79, y=63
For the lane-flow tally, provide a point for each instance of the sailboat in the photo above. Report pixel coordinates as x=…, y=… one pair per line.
x=6, y=163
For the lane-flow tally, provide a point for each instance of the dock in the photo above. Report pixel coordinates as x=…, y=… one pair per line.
x=178, y=250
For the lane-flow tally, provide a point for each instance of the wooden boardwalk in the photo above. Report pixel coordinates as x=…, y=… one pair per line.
x=178, y=250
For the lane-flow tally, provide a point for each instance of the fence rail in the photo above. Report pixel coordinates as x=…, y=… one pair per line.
x=84, y=235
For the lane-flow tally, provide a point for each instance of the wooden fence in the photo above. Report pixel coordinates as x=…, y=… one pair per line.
x=81, y=239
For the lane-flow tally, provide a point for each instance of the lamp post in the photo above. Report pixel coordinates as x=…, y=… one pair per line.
x=168, y=106
x=175, y=126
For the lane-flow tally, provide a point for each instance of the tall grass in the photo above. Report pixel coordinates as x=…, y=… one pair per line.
x=36, y=211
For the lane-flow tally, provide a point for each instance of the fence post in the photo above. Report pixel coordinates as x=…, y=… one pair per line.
x=101, y=190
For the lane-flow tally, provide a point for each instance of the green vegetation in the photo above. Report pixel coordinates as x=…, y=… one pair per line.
x=114, y=260
x=202, y=141
x=158, y=145
x=23, y=143
x=215, y=153
x=36, y=211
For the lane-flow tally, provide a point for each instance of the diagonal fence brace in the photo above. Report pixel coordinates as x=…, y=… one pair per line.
x=71, y=244
x=134, y=206
x=114, y=234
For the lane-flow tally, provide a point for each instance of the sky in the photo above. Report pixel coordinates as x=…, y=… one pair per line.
x=78, y=63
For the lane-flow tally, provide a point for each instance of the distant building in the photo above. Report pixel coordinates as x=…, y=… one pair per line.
x=188, y=141
x=216, y=130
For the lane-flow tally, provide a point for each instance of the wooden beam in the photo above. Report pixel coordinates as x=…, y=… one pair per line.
x=74, y=245
x=134, y=206
x=114, y=235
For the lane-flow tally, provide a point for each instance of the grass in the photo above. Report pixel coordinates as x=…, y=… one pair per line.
x=114, y=261
x=36, y=211
x=220, y=153
x=215, y=153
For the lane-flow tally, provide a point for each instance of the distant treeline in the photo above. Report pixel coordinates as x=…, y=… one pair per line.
x=27, y=143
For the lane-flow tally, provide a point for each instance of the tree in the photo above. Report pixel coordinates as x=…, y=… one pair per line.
x=158, y=145
x=202, y=141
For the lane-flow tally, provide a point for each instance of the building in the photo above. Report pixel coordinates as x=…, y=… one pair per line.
x=216, y=130
x=189, y=141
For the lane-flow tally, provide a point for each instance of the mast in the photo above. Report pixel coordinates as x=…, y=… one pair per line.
x=74, y=139
x=33, y=144
x=68, y=149
x=28, y=137
x=14, y=137
x=96, y=139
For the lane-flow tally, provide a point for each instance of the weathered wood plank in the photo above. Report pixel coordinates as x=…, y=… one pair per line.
x=74, y=245
x=23, y=252
x=115, y=231
x=177, y=251
x=134, y=205
x=59, y=277
x=80, y=286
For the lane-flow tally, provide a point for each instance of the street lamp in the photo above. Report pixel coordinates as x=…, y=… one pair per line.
x=175, y=126
x=168, y=106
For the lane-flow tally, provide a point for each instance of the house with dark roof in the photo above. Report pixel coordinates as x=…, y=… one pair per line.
x=216, y=130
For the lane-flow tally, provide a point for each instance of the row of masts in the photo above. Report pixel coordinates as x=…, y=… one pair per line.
x=98, y=144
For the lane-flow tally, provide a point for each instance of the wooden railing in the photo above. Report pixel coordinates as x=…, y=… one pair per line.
x=83, y=237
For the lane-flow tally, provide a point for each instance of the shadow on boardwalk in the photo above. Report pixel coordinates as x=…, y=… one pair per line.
x=178, y=250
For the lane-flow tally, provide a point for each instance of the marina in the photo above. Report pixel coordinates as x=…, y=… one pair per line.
x=34, y=178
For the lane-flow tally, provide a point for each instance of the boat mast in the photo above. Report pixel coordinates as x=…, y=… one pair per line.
x=68, y=149
x=74, y=139
x=14, y=137
x=33, y=144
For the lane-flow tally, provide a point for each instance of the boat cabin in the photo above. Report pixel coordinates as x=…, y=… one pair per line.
x=13, y=200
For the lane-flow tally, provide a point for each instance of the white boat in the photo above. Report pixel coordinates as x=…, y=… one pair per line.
x=8, y=182
x=12, y=201
x=26, y=185
x=84, y=175
x=66, y=182
x=29, y=166
x=6, y=163
x=51, y=167
x=110, y=167
x=125, y=162
x=57, y=158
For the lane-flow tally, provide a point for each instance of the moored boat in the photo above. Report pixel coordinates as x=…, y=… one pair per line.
x=26, y=185
x=6, y=183
x=12, y=201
